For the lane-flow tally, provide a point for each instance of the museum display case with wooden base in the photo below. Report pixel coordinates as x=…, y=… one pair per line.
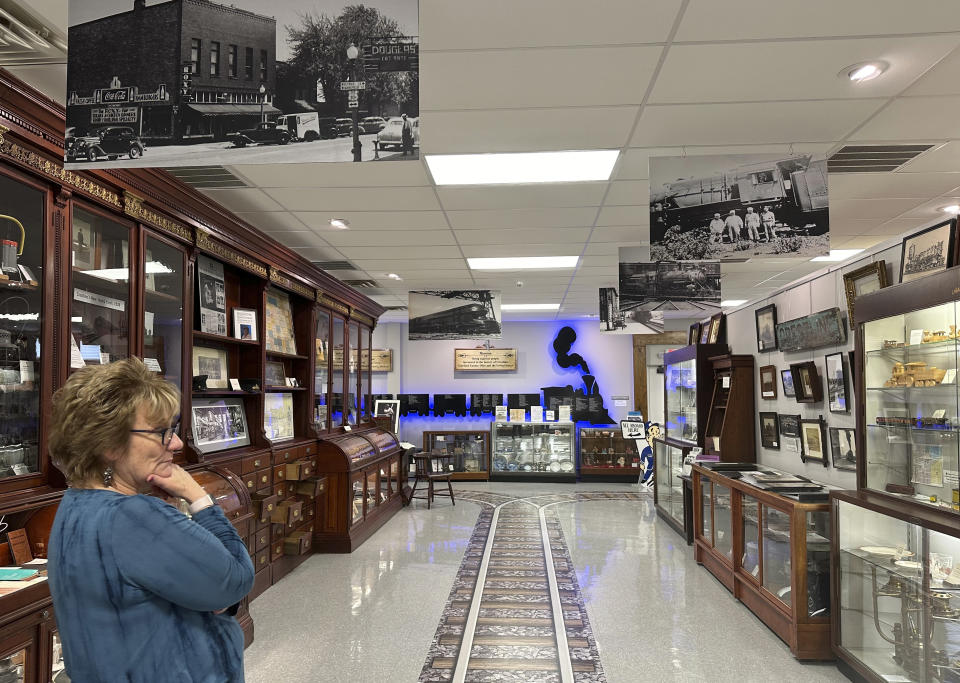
x=671, y=499
x=771, y=550
x=606, y=456
x=688, y=388
x=469, y=452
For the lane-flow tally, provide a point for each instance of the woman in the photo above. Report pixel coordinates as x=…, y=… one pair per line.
x=141, y=592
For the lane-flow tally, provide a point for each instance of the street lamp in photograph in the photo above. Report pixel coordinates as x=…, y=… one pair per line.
x=352, y=54
x=263, y=98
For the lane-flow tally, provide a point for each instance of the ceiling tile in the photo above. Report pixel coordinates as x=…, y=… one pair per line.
x=914, y=118
x=881, y=209
x=271, y=221
x=448, y=25
x=626, y=215
x=856, y=241
x=243, y=199
x=943, y=79
x=522, y=196
x=573, y=217
x=619, y=234
x=628, y=193
x=574, y=237
x=891, y=185
x=375, y=220
x=50, y=79
x=530, y=130
x=333, y=174
x=608, y=248
x=944, y=157
x=747, y=78
x=535, y=78
x=389, y=238
x=901, y=226
x=353, y=198
x=425, y=252
x=931, y=209
x=318, y=253
x=501, y=250
x=729, y=124
x=298, y=238
x=709, y=20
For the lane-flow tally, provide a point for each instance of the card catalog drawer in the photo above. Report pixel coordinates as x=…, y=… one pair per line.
x=253, y=463
x=297, y=543
x=287, y=512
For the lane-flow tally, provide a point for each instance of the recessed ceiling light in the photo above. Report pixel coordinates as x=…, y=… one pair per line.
x=864, y=71
x=530, y=307
x=953, y=208
x=523, y=262
x=838, y=255
x=394, y=276
x=517, y=168
x=339, y=223
x=733, y=302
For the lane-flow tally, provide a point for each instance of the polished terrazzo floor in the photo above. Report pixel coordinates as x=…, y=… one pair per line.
x=401, y=603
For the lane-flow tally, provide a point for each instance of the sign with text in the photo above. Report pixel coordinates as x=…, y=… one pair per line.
x=392, y=54
x=474, y=360
x=114, y=115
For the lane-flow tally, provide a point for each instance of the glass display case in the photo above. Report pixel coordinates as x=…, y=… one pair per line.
x=668, y=490
x=605, y=454
x=898, y=602
x=337, y=372
x=688, y=390
x=163, y=271
x=533, y=450
x=321, y=374
x=765, y=535
x=470, y=452
x=910, y=407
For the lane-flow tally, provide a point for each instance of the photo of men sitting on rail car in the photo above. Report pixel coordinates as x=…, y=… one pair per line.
x=455, y=314
x=651, y=294
x=737, y=206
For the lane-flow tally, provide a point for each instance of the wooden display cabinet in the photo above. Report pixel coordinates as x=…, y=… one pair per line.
x=688, y=388
x=731, y=422
x=469, y=451
x=671, y=498
x=772, y=552
x=605, y=455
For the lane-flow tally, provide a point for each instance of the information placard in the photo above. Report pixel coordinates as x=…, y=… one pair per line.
x=480, y=360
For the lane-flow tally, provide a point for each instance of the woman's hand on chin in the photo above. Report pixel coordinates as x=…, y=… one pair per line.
x=178, y=483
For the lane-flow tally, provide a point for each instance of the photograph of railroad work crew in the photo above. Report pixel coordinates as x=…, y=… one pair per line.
x=738, y=206
x=455, y=314
x=649, y=292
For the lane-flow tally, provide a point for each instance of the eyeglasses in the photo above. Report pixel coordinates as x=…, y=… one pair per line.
x=166, y=434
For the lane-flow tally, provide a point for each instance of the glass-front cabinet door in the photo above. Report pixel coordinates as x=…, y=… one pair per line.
x=22, y=220
x=911, y=417
x=681, y=400
x=706, y=510
x=817, y=524
x=100, y=283
x=163, y=272
x=366, y=408
x=723, y=521
x=356, y=489
x=777, y=578
x=750, y=519
x=352, y=416
x=469, y=450
x=321, y=376
x=337, y=340
x=532, y=447
x=17, y=657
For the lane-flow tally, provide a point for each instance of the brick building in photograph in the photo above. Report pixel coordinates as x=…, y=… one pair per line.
x=129, y=69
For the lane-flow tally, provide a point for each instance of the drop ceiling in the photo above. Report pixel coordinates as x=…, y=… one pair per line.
x=647, y=77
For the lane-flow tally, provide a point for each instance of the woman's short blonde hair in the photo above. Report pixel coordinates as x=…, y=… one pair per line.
x=94, y=412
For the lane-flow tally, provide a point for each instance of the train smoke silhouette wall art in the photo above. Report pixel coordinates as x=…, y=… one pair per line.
x=586, y=402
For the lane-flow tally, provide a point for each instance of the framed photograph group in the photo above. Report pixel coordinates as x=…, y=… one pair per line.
x=218, y=424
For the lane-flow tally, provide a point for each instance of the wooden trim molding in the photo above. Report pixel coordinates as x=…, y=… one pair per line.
x=207, y=243
x=133, y=207
x=361, y=317
x=334, y=304
x=278, y=278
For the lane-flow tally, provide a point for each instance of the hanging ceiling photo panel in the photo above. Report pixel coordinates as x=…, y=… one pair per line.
x=168, y=84
x=738, y=206
x=455, y=314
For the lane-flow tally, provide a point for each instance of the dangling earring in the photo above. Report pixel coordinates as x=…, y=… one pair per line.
x=108, y=476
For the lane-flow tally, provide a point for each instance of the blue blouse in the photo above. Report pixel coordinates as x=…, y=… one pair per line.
x=135, y=584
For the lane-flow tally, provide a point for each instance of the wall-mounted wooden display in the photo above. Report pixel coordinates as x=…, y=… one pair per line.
x=484, y=360
x=807, y=382
x=825, y=328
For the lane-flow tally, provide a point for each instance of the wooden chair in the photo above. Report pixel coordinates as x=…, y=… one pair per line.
x=432, y=467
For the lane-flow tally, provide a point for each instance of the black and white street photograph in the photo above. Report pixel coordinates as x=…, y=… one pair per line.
x=738, y=206
x=173, y=83
x=455, y=314
x=651, y=293
x=219, y=424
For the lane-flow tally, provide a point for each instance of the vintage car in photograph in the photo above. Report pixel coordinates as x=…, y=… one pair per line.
x=308, y=126
x=392, y=133
x=266, y=133
x=110, y=143
x=372, y=124
x=343, y=127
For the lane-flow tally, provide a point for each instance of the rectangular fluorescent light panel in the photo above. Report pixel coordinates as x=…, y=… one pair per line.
x=522, y=262
x=530, y=307
x=518, y=168
x=838, y=255
x=733, y=302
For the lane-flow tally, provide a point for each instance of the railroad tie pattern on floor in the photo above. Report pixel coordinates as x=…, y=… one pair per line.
x=515, y=612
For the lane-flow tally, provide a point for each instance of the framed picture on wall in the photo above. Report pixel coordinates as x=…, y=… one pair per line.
x=927, y=251
x=388, y=408
x=843, y=448
x=870, y=278
x=837, y=384
x=716, y=323
x=768, y=382
x=213, y=364
x=807, y=382
x=814, y=441
x=786, y=376
x=769, y=431
x=705, y=332
x=766, y=328
x=693, y=335
x=789, y=425
x=218, y=423
x=275, y=374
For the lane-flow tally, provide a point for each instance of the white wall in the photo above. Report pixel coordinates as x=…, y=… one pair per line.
x=427, y=367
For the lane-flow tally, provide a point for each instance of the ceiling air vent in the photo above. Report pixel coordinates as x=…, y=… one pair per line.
x=206, y=177
x=361, y=284
x=395, y=308
x=335, y=265
x=27, y=39
x=873, y=158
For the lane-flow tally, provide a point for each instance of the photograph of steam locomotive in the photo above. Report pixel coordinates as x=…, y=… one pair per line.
x=737, y=207
x=651, y=292
x=455, y=314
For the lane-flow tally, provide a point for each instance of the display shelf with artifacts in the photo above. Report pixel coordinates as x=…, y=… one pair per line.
x=164, y=284
x=687, y=391
x=469, y=451
x=897, y=595
x=366, y=476
x=671, y=499
x=730, y=431
x=289, y=369
x=533, y=451
x=321, y=373
x=765, y=535
x=907, y=420
x=606, y=455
